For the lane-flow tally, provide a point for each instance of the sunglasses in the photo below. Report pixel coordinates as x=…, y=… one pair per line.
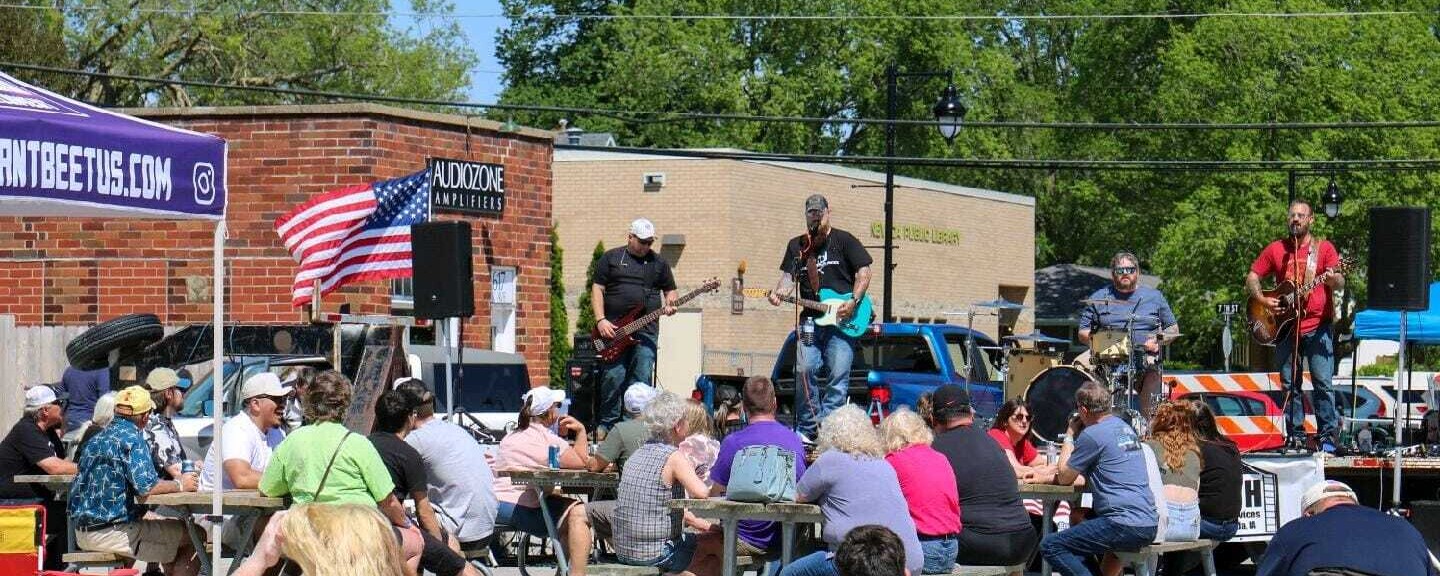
x=1020, y=417
x=1124, y=270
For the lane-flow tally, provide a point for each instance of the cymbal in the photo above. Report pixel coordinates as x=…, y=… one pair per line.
x=1035, y=337
x=1001, y=304
x=1103, y=301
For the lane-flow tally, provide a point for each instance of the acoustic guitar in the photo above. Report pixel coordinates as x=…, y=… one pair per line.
x=610, y=350
x=1265, y=326
x=829, y=308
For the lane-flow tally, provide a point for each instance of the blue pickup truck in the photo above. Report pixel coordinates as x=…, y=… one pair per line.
x=896, y=363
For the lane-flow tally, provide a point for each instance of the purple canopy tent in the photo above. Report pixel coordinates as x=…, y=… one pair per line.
x=63, y=158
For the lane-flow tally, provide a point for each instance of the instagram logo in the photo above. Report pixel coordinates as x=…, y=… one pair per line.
x=204, y=181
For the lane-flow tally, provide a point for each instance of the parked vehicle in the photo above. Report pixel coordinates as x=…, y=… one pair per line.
x=895, y=363
x=1251, y=419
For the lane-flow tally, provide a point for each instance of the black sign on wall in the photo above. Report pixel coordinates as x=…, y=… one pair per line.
x=464, y=186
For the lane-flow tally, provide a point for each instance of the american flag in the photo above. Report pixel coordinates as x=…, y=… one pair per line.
x=356, y=233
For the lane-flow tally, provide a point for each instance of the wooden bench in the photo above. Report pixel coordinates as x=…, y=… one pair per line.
x=80, y=561
x=1144, y=559
x=742, y=563
x=960, y=570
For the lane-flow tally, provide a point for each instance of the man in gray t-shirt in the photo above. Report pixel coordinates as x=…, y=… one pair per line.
x=461, y=484
x=1108, y=453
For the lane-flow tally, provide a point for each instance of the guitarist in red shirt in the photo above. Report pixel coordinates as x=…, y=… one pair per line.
x=628, y=278
x=1298, y=259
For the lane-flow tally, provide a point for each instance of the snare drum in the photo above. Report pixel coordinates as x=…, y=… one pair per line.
x=1051, y=397
x=1110, y=346
x=1023, y=366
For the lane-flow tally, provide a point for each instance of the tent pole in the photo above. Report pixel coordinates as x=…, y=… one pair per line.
x=217, y=367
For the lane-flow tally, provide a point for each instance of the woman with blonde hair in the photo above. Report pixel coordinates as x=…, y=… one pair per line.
x=854, y=486
x=928, y=483
x=700, y=446
x=328, y=540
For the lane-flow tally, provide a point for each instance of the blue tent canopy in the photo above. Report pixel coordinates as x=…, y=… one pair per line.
x=1420, y=327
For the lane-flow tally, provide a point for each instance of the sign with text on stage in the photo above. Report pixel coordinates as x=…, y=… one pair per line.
x=465, y=186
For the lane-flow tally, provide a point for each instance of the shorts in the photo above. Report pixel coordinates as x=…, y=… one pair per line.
x=157, y=541
x=530, y=520
x=437, y=557
x=675, y=558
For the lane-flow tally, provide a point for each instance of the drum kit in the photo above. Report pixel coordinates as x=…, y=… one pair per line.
x=1039, y=374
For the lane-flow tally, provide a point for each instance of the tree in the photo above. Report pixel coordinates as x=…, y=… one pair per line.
x=256, y=43
x=585, y=324
x=559, y=319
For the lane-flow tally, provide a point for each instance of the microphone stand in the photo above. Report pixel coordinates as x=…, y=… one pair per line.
x=802, y=378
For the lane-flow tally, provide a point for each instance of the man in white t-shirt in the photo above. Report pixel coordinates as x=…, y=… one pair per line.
x=247, y=441
x=462, y=489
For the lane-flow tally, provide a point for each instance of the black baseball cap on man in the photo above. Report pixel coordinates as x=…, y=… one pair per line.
x=950, y=399
x=816, y=202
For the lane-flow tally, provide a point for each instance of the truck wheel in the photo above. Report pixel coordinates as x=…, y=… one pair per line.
x=91, y=349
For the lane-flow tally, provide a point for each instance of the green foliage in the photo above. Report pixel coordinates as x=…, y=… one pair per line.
x=1198, y=230
x=587, y=320
x=559, y=318
x=1382, y=367
x=228, y=42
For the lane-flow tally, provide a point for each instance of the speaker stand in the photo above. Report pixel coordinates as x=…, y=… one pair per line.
x=1400, y=381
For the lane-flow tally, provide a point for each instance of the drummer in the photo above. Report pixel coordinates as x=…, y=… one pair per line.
x=1111, y=307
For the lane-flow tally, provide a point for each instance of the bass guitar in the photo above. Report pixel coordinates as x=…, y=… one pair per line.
x=829, y=308
x=1264, y=326
x=610, y=350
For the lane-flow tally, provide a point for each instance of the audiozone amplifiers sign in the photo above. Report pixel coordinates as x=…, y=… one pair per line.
x=465, y=186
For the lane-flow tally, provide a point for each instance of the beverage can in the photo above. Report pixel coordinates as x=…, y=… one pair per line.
x=554, y=457
x=1050, y=455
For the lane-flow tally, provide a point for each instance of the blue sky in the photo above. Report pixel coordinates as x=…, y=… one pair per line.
x=485, y=77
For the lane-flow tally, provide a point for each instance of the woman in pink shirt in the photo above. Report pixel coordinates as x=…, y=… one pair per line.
x=928, y=483
x=528, y=448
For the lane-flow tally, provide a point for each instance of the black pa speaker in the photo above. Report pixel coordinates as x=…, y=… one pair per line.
x=444, y=278
x=1399, y=259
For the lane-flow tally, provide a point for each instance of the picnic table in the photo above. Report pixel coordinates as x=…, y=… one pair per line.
x=237, y=502
x=1050, y=496
x=545, y=481
x=730, y=513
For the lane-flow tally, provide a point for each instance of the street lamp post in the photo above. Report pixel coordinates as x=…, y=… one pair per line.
x=1329, y=202
x=949, y=113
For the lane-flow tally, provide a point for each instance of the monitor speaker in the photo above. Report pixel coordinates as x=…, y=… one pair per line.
x=444, y=278
x=1399, y=274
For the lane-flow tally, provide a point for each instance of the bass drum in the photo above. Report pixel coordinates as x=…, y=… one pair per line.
x=1051, y=397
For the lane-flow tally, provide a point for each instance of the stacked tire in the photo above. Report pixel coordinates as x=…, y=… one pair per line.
x=91, y=349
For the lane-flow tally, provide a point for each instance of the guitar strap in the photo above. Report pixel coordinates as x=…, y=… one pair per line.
x=812, y=269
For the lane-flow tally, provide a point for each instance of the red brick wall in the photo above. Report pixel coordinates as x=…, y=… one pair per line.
x=56, y=271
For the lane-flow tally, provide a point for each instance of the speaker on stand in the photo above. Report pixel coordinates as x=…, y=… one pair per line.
x=1399, y=280
x=582, y=382
x=440, y=254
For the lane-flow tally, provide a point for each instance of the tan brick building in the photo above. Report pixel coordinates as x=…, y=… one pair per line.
x=954, y=245
x=57, y=271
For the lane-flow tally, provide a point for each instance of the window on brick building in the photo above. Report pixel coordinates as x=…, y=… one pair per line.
x=402, y=296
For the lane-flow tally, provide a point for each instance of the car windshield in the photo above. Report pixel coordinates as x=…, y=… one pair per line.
x=960, y=354
x=199, y=398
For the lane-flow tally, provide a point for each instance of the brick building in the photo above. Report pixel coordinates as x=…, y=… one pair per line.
x=954, y=245
x=56, y=271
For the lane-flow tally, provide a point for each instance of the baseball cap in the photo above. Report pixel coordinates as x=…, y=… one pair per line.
x=642, y=229
x=40, y=395
x=263, y=384
x=164, y=378
x=950, y=398
x=1327, y=489
x=541, y=399
x=133, y=401
x=638, y=396
x=816, y=202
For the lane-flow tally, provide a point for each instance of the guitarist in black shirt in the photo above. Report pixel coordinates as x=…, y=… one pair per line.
x=823, y=258
x=629, y=277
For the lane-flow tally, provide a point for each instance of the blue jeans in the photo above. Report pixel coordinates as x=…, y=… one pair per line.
x=820, y=563
x=940, y=555
x=836, y=350
x=1218, y=531
x=1317, y=350
x=675, y=558
x=635, y=365
x=1066, y=551
x=1183, y=523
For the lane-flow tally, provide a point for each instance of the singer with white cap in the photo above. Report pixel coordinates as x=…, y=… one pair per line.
x=627, y=278
x=529, y=448
x=1339, y=535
